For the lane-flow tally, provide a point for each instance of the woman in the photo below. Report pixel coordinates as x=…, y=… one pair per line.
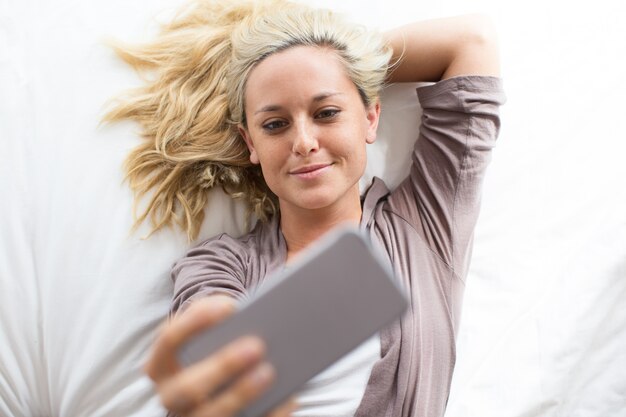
x=276, y=103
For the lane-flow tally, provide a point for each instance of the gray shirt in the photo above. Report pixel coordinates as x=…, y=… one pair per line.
x=426, y=227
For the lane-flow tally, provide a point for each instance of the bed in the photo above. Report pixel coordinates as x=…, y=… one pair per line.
x=543, y=329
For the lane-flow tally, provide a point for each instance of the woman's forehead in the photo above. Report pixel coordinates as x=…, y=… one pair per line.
x=301, y=72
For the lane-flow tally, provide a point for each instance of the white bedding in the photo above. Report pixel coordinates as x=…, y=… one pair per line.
x=544, y=322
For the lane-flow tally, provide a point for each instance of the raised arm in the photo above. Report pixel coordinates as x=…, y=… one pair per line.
x=434, y=50
x=459, y=126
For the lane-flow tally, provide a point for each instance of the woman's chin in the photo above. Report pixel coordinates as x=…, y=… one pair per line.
x=309, y=201
x=313, y=203
x=321, y=200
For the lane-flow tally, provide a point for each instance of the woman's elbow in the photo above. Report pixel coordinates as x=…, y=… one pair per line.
x=478, y=50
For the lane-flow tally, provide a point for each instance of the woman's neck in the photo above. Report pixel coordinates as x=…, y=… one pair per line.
x=301, y=227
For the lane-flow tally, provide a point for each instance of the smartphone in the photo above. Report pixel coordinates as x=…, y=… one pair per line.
x=333, y=297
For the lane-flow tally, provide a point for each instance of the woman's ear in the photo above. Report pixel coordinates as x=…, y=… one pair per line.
x=373, y=115
x=254, y=158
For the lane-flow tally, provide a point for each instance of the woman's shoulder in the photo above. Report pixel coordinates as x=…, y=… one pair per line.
x=261, y=238
x=231, y=242
x=227, y=259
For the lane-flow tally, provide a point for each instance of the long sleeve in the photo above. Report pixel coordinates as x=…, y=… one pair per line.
x=212, y=267
x=441, y=195
x=226, y=265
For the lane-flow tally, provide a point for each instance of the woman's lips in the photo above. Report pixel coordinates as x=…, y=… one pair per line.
x=310, y=171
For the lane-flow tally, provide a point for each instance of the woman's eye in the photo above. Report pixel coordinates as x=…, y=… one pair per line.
x=273, y=125
x=327, y=114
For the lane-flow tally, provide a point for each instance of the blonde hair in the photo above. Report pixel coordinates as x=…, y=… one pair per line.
x=190, y=108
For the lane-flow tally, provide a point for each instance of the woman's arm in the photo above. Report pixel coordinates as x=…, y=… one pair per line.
x=459, y=126
x=434, y=50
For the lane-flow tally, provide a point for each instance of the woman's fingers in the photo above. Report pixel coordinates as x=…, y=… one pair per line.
x=201, y=314
x=239, y=395
x=200, y=382
x=220, y=385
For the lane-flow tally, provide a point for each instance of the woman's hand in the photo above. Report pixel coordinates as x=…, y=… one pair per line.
x=220, y=385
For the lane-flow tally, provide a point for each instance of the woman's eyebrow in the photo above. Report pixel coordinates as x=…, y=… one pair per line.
x=325, y=95
x=268, y=108
x=317, y=98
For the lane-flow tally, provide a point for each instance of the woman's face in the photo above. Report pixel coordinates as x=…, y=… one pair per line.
x=307, y=127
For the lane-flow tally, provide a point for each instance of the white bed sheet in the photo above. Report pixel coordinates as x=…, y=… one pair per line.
x=544, y=322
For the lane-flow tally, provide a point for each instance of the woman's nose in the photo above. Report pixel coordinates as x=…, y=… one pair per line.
x=304, y=141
